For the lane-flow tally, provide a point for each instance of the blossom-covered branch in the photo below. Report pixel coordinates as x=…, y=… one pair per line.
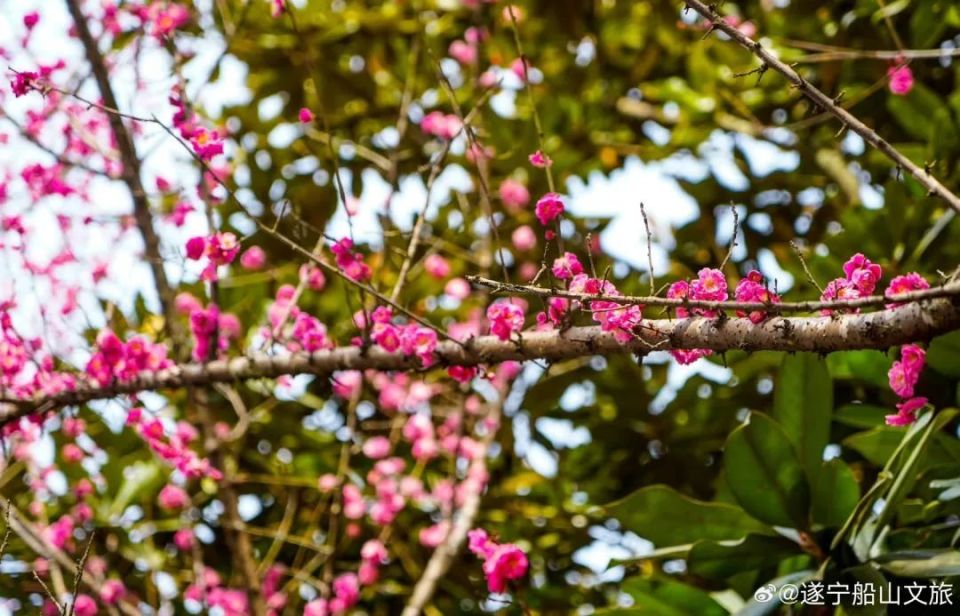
x=870, y=301
x=879, y=330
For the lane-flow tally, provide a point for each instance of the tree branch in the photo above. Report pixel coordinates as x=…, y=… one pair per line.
x=440, y=561
x=131, y=163
x=916, y=322
x=769, y=60
x=871, y=301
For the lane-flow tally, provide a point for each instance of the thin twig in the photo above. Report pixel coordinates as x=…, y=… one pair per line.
x=806, y=268
x=733, y=240
x=646, y=225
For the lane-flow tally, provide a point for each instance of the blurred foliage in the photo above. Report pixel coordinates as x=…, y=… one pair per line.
x=724, y=476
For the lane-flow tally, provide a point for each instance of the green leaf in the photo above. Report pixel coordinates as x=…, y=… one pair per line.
x=836, y=494
x=861, y=415
x=802, y=405
x=765, y=474
x=907, y=475
x=666, y=517
x=140, y=478
x=921, y=563
x=722, y=559
x=944, y=355
x=670, y=598
x=916, y=111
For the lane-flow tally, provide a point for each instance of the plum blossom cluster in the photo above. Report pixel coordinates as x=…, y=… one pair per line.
x=349, y=261
x=162, y=18
x=346, y=593
x=502, y=562
x=306, y=333
x=208, y=326
x=219, y=249
x=173, y=448
x=208, y=590
x=903, y=376
x=861, y=276
x=443, y=125
x=411, y=339
x=115, y=360
x=206, y=143
x=710, y=285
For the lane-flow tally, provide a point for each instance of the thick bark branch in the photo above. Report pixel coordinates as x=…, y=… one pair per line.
x=871, y=301
x=823, y=101
x=914, y=322
x=130, y=160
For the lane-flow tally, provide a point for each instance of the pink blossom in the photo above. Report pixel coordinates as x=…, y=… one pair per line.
x=317, y=607
x=463, y=52
x=905, y=284
x=313, y=276
x=709, y=285
x=507, y=563
x=327, y=482
x=111, y=591
x=432, y=536
x=84, y=605
x=513, y=193
x=277, y=7
x=253, y=258
x=72, y=454
x=436, y=266
x=520, y=68
x=505, y=319
x=539, y=159
x=462, y=374
x=438, y=124
x=753, y=289
x=901, y=79
x=524, y=238
x=31, y=19
x=306, y=116
x=346, y=590
x=376, y=447
x=184, y=539
x=457, y=288
x=196, y=246
x=548, y=208
x=374, y=551
x=478, y=542
x=566, y=266
x=863, y=273
x=904, y=374
x=23, y=82
x=346, y=384
x=350, y=262
x=173, y=498
x=906, y=412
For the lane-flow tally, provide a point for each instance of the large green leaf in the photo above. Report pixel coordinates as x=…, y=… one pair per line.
x=718, y=560
x=803, y=404
x=670, y=598
x=666, y=517
x=765, y=474
x=921, y=563
x=835, y=494
x=944, y=355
